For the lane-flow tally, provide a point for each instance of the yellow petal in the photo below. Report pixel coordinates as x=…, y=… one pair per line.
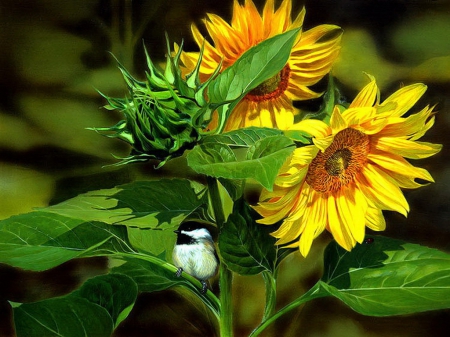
x=314, y=127
x=282, y=16
x=359, y=115
x=315, y=220
x=352, y=210
x=291, y=231
x=381, y=190
x=323, y=143
x=375, y=219
x=413, y=126
x=337, y=122
x=407, y=148
x=392, y=162
x=404, y=99
x=368, y=96
x=405, y=182
x=293, y=177
x=337, y=227
x=304, y=155
x=284, y=118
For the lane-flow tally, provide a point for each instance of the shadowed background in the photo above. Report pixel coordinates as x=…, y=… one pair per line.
x=54, y=54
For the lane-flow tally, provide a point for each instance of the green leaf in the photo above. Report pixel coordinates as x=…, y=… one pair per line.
x=144, y=204
x=62, y=317
x=384, y=277
x=255, y=66
x=41, y=240
x=245, y=246
x=331, y=98
x=242, y=154
x=241, y=138
x=116, y=293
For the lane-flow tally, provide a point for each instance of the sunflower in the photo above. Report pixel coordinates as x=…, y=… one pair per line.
x=269, y=104
x=353, y=170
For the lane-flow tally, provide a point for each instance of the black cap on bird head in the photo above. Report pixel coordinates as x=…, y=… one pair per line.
x=189, y=226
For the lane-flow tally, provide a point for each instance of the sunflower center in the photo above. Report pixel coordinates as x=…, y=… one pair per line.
x=271, y=88
x=340, y=163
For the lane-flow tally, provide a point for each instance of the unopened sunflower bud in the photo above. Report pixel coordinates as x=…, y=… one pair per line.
x=163, y=114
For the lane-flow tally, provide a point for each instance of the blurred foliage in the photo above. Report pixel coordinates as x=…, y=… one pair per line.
x=54, y=56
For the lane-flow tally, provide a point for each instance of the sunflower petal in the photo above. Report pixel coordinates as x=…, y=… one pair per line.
x=315, y=221
x=381, y=190
x=337, y=227
x=407, y=148
x=375, y=219
x=403, y=99
x=368, y=96
x=397, y=164
x=337, y=122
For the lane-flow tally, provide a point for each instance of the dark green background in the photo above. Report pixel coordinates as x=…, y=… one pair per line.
x=53, y=54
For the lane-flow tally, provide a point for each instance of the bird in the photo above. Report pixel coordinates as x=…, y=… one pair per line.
x=195, y=253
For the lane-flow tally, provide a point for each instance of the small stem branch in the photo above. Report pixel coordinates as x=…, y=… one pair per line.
x=271, y=294
x=312, y=293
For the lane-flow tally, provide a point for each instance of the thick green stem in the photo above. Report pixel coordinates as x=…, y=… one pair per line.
x=225, y=275
x=226, y=305
x=312, y=293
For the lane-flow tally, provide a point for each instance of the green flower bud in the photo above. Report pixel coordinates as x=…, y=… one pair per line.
x=164, y=114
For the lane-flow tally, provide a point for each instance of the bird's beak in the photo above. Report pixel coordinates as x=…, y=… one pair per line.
x=177, y=231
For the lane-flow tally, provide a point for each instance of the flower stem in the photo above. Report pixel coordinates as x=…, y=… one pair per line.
x=226, y=310
x=225, y=275
x=312, y=293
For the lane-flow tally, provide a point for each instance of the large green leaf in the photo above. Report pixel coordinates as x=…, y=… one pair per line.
x=245, y=246
x=255, y=66
x=143, y=204
x=384, y=277
x=116, y=293
x=242, y=154
x=242, y=138
x=41, y=240
x=380, y=277
x=62, y=317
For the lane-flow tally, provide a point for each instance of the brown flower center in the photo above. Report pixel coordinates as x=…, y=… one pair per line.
x=271, y=88
x=340, y=163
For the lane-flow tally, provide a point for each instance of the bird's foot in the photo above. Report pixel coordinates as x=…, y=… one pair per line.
x=204, y=287
x=179, y=271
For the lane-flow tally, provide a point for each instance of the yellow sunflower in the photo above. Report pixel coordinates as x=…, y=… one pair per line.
x=353, y=170
x=269, y=104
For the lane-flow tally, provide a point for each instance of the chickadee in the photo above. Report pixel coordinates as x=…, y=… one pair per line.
x=194, y=252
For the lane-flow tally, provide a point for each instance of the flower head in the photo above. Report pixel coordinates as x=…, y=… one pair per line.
x=269, y=104
x=163, y=114
x=353, y=170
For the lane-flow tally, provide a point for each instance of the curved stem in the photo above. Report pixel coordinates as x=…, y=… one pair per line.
x=208, y=298
x=312, y=293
